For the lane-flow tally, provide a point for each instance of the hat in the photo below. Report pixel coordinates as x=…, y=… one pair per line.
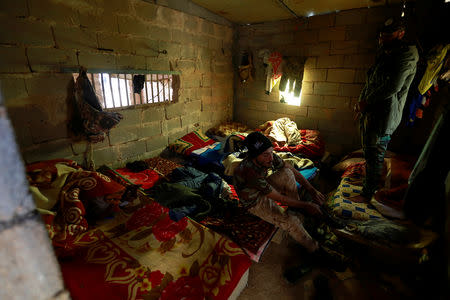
x=257, y=143
x=392, y=24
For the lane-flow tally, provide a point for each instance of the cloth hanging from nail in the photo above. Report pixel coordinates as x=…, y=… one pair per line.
x=138, y=83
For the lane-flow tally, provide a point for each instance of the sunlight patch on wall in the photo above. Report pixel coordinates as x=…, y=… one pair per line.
x=289, y=98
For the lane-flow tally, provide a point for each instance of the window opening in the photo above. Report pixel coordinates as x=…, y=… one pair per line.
x=115, y=89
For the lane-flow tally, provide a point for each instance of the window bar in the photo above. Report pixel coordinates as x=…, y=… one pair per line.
x=140, y=97
x=126, y=89
x=103, y=90
x=92, y=80
x=169, y=82
x=151, y=84
x=164, y=89
x=146, y=89
x=112, y=93
x=118, y=86
x=157, y=86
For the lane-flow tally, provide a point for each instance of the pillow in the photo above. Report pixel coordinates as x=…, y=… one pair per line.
x=190, y=142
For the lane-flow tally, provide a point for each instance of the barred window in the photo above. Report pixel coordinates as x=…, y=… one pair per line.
x=116, y=90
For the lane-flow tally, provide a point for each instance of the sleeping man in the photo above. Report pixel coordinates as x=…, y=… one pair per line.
x=263, y=178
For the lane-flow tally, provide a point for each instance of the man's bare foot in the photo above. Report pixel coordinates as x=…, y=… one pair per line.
x=359, y=199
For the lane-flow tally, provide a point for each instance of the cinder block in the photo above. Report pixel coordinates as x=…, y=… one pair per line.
x=205, y=83
x=31, y=262
x=51, y=59
x=14, y=8
x=306, y=123
x=186, y=66
x=190, y=119
x=321, y=21
x=360, y=76
x=350, y=89
x=157, y=64
x=32, y=33
x=48, y=150
x=188, y=52
x=315, y=75
x=311, y=100
x=47, y=131
x=54, y=12
x=75, y=38
x=341, y=75
x=331, y=61
x=191, y=23
x=326, y=88
x=310, y=62
x=174, y=110
x=96, y=20
x=282, y=39
x=193, y=106
x=351, y=17
x=318, y=49
x=320, y=113
x=170, y=17
x=359, y=60
x=332, y=34
x=131, y=150
x=176, y=134
x=274, y=107
x=135, y=27
x=182, y=37
x=144, y=46
x=191, y=81
x=48, y=85
x=301, y=110
x=171, y=125
x=336, y=102
x=12, y=89
x=153, y=113
x=131, y=117
x=358, y=32
x=146, y=11
x=105, y=156
x=307, y=88
x=201, y=41
x=344, y=47
x=307, y=36
x=123, y=61
x=159, y=33
x=207, y=27
x=116, y=42
x=120, y=135
x=117, y=6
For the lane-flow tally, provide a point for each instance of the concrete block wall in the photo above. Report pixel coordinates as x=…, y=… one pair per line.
x=338, y=47
x=40, y=37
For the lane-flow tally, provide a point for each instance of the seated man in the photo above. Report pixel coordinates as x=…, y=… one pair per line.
x=263, y=178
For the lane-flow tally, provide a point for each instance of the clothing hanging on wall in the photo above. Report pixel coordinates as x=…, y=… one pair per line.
x=293, y=68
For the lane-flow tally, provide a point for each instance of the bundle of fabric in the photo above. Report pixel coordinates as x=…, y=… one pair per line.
x=228, y=128
x=287, y=137
x=146, y=255
x=190, y=142
x=161, y=165
x=67, y=197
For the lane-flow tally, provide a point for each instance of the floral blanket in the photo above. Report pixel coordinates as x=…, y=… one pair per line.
x=146, y=255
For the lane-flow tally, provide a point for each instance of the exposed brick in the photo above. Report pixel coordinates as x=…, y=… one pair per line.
x=320, y=113
x=130, y=62
x=358, y=32
x=122, y=134
x=344, y=47
x=192, y=106
x=171, y=125
x=350, y=90
x=54, y=12
x=131, y=117
x=359, y=60
x=307, y=36
x=75, y=38
x=151, y=114
x=12, y=89
x=15, y=8
x=174, y=110
x=50, y=59
x=48, y=150
x=322, y=48
x=350, y=17
x=118, y=43
x=157, y=64
x=332, y=34
x=315, y=75
x=96, y=60
x=326, y=88
x=321, y=21
x=130, y=151
x=45, y=85
x=145, y=46
x=311, y=100
x=331, y=61
x=336, y=102
x=146, y=11
x=30, y=262
x=133, y=26
x=190, y=119
x=33, y=33
x=340, y=75
x=98, y=21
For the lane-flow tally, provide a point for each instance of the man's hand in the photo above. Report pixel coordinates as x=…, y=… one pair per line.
x=359, y=108
x=312, y=209
x=317, y=197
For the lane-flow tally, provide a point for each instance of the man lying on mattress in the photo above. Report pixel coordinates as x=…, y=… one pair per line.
x=263, y=178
